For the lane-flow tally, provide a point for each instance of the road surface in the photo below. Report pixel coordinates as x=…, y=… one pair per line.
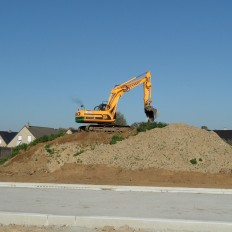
x=119, y=204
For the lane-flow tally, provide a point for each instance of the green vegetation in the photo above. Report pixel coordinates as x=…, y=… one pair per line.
x=78, y=152
x=204, y=128
x=116, y=138
x=193, y=161
x=24, y=147
x=16, y=150
x=92, y=147
x=45, y=138
x=120, y=119
x=48, y=149
x=2, y=161
x=144, y=126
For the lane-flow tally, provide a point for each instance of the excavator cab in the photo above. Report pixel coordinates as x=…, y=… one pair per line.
x=100, y=107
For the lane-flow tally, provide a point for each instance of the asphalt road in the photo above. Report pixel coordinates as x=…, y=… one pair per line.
x=183, y=206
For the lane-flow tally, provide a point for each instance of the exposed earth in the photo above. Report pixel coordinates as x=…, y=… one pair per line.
x=176, y=155
x=16, y=228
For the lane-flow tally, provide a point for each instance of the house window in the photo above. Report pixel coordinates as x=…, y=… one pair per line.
x=29, y=138
x=20, y=138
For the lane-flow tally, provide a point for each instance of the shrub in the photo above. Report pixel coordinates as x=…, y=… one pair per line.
x=193, y=161
x=144, y=126
x=46, y=138
x=2, y=161
x=17, y=149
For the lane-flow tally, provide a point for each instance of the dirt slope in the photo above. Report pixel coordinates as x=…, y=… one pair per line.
x=163, y=157
x=170, y=148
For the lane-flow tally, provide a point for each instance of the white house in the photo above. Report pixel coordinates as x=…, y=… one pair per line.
x=29, y=133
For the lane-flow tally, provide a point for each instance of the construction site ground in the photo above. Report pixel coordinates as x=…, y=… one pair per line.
x=177, y=155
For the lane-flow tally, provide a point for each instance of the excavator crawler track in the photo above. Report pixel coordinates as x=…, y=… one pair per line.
x=104, y=128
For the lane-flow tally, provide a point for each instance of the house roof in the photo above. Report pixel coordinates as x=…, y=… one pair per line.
x=41, y=131
x=7, y=136
x=224, y=134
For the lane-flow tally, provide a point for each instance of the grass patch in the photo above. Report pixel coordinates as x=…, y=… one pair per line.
x=48, y=149
x=79, y=152
x=116, y=138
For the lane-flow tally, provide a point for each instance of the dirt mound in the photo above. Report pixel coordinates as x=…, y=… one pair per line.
x=170, y=156
x=50, y=156
x=176, y=147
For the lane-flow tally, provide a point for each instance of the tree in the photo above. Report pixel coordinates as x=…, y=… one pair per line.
x=204, y=128
x=120, y=119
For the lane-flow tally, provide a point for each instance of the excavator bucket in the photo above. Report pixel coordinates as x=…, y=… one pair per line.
x=151, y=113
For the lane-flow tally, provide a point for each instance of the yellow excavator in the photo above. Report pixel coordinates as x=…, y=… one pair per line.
x=103, y=117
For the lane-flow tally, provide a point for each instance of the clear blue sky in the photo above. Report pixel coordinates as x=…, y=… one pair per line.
x=54, y=51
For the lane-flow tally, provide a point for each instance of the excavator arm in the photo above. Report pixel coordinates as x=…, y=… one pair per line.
x=105, y=114
x=118, y=91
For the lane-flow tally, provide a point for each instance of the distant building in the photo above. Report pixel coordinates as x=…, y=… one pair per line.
x=6, y=137
x=29, y=133
x=71, y=131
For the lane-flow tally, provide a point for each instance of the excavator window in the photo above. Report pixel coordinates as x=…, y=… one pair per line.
x=100, y=107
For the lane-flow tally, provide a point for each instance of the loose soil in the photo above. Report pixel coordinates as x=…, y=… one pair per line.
x=177, y=155
x=16, y=228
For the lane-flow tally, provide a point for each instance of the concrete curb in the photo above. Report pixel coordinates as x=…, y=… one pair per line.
x=117, y=188
x=40, y=220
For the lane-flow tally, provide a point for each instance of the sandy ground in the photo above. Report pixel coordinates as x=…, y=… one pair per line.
x=15, y=228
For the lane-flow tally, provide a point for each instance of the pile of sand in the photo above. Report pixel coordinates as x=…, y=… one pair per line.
x=176, y=147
